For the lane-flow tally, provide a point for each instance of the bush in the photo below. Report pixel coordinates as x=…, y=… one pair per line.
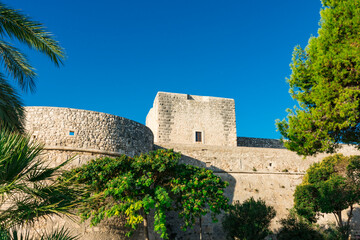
x=295, y=228
x=249, y=220
x=335, y=233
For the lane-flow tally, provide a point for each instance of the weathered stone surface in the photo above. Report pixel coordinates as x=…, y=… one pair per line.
x=266, y=173
x=175, y=118
x=259, y=168
x=94, y=135
x=81, y=130
x=259, y=142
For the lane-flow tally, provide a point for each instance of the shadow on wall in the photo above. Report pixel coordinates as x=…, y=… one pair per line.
x=207, y=228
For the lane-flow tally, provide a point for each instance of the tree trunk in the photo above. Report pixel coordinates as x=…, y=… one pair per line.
x=341, y=224
x=350, y=214
x=146, y=230
x=200, y=235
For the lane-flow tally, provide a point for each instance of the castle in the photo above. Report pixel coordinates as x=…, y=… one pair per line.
x=202, y=128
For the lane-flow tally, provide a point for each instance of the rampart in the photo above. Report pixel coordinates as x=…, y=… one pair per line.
x=203, y=129
x=68, y=129
x=259, y=142
x=85, y=135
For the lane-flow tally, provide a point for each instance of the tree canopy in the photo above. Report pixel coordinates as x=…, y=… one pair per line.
x=325, y=81
x=249, y=220
x=330, y=186
x=131, y=187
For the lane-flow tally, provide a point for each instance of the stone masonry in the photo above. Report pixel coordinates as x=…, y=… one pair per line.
x=85, y=135
x=203, y=129
x=254, y=167
x=177, y=117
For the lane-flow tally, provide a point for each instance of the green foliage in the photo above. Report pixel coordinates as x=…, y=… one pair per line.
x=325, y=81
x=14, y=25
x=296, y=228
x=28, y=189
x=249, y=220
x=133, y=186
x=57, y=234
x=329, y=187
x=334, y=233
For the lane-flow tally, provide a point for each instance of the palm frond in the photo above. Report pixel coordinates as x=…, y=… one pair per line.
x=17, y=65
x=17, y=156
x=16, y=25
x=29, y=189
x=11, y=109
x=15, y=234
x=41, y=172
x=59, y=234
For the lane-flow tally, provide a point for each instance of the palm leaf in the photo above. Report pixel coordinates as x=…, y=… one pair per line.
x=28, y=186
x=59, y=234
x=17, y=65
x=16, y=25
x=11, y=110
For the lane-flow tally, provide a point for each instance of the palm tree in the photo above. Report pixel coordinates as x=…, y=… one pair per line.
x=15, y=25
x=29, y=188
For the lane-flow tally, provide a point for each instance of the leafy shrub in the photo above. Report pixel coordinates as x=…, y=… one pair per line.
x=295, y=228
x=334, y=233
x=249, y=220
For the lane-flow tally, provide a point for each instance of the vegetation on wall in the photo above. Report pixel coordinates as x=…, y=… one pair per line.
x=153, y=181
x=249, y=220
x=330, y=186
x=325, y=81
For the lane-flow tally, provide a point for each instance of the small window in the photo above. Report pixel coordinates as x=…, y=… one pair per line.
x=198, y=137
x=71, y=133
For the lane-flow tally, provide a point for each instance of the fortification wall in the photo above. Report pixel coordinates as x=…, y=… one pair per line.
x=259, y=168
x=85, y=135
x=175, y=118
x=68, y=129
x=259, y=142
x=267, y=173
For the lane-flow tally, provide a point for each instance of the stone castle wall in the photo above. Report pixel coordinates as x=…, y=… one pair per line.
x=259, y=142
x=259, y=168
x=83, y=136
x=176, y=117
x=267, y=173
x=87, y=131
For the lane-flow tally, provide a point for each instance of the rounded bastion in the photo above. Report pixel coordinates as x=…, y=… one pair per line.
x=84, y=135
x=82, y=131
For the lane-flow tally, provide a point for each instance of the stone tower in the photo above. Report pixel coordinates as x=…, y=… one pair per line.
x=190, y=119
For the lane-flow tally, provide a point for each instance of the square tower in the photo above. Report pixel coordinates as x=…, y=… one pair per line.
x=190, y=119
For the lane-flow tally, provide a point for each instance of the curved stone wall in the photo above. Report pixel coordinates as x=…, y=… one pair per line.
x=67, y=129
x=85, y=135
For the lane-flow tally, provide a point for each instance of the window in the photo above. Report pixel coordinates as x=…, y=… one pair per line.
x=198, y=137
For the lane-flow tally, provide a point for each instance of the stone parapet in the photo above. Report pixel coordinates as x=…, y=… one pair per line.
x=87, y=130
x=259, y=142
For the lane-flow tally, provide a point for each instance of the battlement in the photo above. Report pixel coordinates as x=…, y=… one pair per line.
x=191, y=119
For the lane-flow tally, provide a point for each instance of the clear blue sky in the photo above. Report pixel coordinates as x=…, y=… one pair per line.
x=121, y=53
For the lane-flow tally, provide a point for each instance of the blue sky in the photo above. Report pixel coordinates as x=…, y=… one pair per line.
x=121, y=53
